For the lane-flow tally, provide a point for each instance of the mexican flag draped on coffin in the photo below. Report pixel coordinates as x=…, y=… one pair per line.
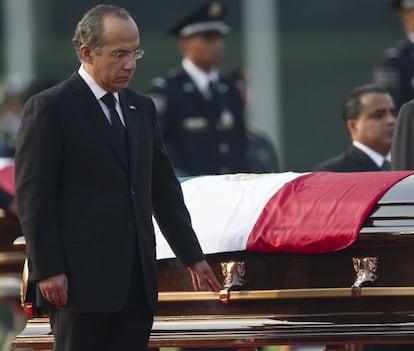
x=303, y=213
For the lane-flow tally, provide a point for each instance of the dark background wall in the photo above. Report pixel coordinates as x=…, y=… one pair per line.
x=327, y=48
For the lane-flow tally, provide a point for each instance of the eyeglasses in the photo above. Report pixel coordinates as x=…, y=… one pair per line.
x=123, y=55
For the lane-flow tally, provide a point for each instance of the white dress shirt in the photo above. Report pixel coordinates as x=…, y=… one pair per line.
x=99, y=93
x=372, y=154
x=200, y=78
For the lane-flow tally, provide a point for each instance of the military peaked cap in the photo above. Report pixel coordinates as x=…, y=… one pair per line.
x=207, y=18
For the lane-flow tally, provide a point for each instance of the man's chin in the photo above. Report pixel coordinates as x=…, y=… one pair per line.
x=122, y=83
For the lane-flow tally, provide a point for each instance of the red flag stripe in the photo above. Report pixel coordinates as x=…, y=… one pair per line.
x=319, y=212
x=7, y=179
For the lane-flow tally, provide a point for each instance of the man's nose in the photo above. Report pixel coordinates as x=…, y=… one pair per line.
x=391, y=116
x=130, y=64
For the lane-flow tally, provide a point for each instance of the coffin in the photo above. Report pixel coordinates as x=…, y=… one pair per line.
x=360, y=294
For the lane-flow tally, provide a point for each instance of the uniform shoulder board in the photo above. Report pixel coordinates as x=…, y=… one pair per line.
x=159, y=82
x=392, y=52
x=240, y=85
x=173, y=72
x=386, y=76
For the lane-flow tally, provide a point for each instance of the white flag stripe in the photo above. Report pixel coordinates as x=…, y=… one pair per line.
x=224, y=208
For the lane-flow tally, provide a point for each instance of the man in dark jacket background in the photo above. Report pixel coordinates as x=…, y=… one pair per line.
x=369, y=116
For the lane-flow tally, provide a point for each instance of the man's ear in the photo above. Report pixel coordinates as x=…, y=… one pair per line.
x=86, y=54
x=351, y=125
x=182, y=44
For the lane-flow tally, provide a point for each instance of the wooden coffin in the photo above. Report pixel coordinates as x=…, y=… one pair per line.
x=363, y=294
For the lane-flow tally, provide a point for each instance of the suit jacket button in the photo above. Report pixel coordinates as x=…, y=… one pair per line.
x=132, y=191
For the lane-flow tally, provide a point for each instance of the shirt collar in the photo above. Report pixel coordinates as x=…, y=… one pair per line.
x=411, y=36
x=96, y=89
x=375, y=156
x=201, y=78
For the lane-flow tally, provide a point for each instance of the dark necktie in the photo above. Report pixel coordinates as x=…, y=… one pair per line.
x=119, y=135
x=212, y=89
x=386, y=165
x=117, y=126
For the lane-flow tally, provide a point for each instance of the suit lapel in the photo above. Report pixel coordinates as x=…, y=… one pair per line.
x=363, y=159
x=96, y=117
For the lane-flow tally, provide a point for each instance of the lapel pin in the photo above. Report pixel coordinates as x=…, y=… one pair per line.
x=132, y=107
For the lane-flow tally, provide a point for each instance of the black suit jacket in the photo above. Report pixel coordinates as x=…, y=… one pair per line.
x=84, y=211
x=351, y=160
x=403, y=139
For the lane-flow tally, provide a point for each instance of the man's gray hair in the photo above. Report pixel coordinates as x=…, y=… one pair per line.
x=89, y=30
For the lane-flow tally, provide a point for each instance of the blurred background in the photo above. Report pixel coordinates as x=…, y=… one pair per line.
x=301, y=58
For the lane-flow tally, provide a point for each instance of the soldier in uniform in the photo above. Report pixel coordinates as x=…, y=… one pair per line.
x=200, y=109
x=395, y=71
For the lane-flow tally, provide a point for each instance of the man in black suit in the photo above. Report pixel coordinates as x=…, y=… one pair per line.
x=403, y=140
x=370, y=118
x=369, y=115
x=91, y=170
x=200, y=109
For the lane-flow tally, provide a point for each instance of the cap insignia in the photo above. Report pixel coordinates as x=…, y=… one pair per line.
x=215, y=10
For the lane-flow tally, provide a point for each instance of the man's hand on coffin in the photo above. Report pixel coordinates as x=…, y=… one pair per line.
x=203, y=277
x=55, y=289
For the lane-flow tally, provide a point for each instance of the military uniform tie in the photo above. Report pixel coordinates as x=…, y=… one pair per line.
x=386, y=165
x=211, y=89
